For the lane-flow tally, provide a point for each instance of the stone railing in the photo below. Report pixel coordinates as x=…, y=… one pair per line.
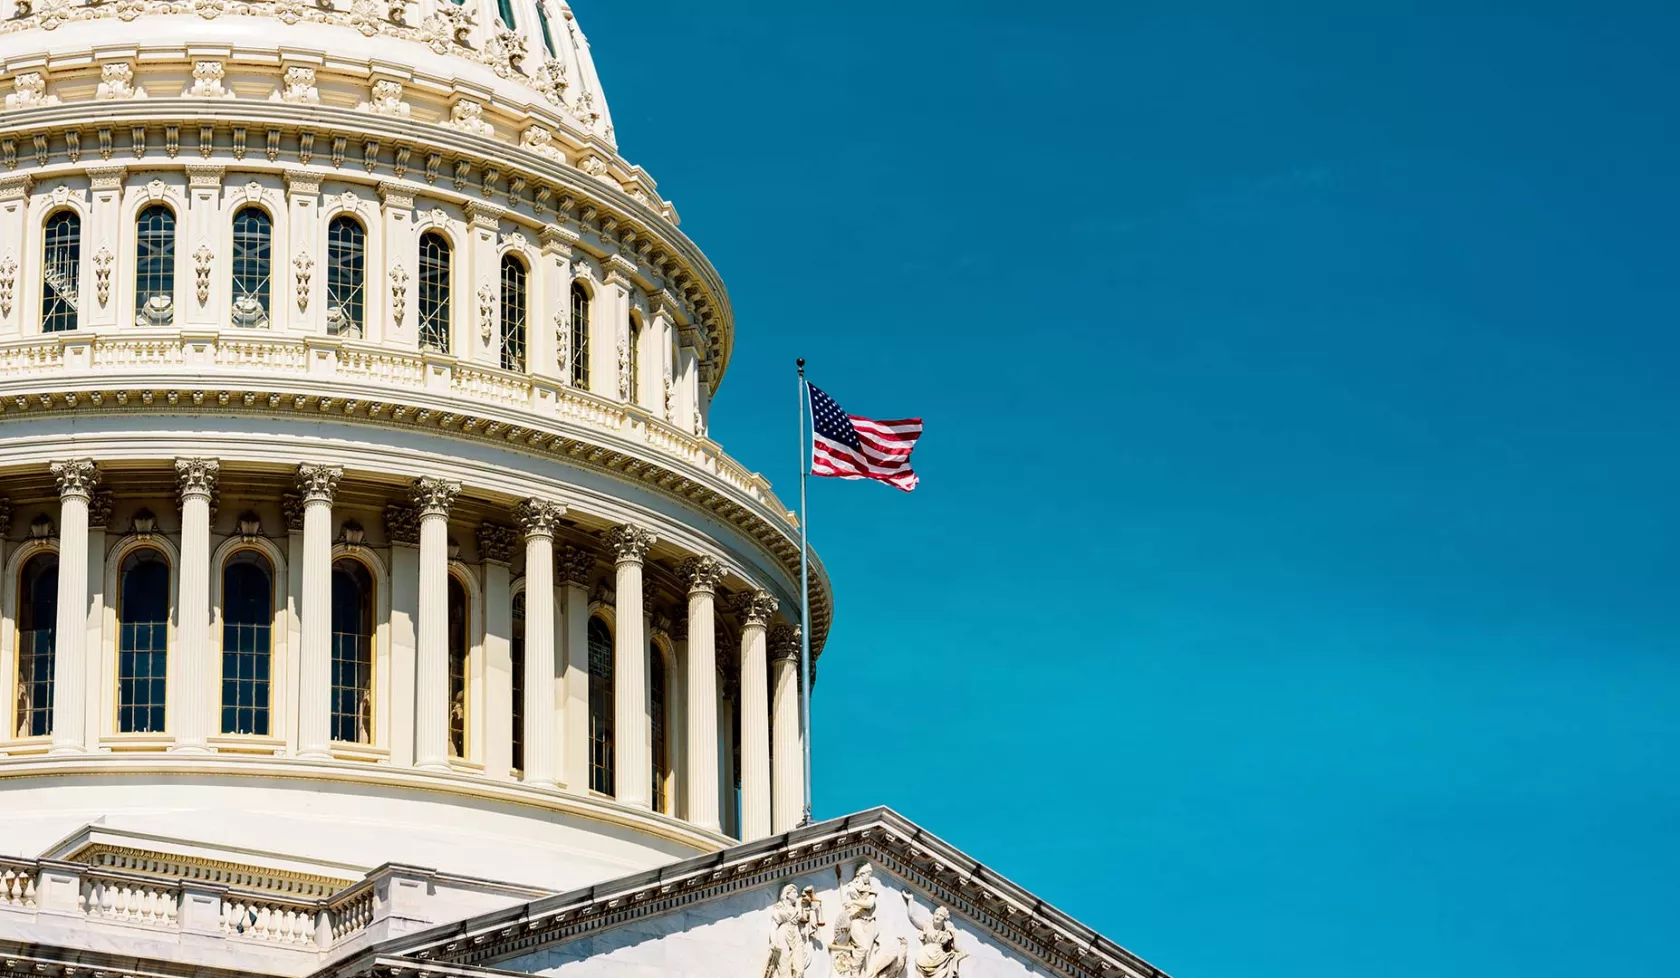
x=130, y=898
x=17, y=882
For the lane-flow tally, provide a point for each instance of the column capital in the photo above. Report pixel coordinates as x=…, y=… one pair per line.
x=197, y=477
x=755, y=607
x=702, y=574
x=495, y=543
x=5, y=515
x=433, y=497
x=576, y=564
x=318, y=483
x=538, y=517
x=99, y=510
x=402, y=525
x=784, y=642
x=630, y=543
x=76, y=478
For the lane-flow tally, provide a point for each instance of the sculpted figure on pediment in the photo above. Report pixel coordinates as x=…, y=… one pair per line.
x=857, y=949
x=794, y=921
x=938, y=956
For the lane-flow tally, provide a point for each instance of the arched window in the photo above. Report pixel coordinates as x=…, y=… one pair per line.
x=61, y=268
x=346, y=276
x=434, y=292
x=600, y=707
x=247, y=643
x=154, y=266
x=633, y=353
x=513, y=312
x=142, y=642
x=547, y=32
x=504, y=11
x=352, y=652
x=37, y=625
x=253, y=250
x=659, y=730
x=516, y=663
x=580, y=335
x=457, y=602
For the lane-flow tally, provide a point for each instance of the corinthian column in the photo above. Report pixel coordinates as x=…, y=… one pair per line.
x=76, y=481
x=317, y=484
x=631, y=774
x=432, y=499
x=702, y=574
x=539, y=519
x=788, y=790
x=756, y=609
x=192, y=708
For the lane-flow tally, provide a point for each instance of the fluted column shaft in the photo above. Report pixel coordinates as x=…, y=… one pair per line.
x=76, y=481
x=632, y=773
x=788, y=790
x=702, y=780
x=432, y=499
x=317, y=484
x=756, y=610
x=539, y=520
x=192, y=706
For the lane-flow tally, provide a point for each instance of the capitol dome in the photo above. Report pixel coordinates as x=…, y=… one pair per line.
x=361, y=500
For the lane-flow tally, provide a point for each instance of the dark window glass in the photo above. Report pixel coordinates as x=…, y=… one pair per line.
x=516, y=661
x=600, y=707
x=504, y=10
x=154, y=267
x=547, y=32
x=513, y=313
x=61, y=268
x=434, y=292
x=658, y=728
x=346, y=276
x=253, y=248
x=352, y=652
x=580, y=335
x=37, y=626
x=143, y=642
x=247, y=643
x=633, y=353
x=457, y=668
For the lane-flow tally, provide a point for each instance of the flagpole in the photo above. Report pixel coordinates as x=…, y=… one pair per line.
x=804, y=590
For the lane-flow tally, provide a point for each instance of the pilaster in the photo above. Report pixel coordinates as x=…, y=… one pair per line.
x=302, y=301
x=576, y=567
x=401, y=248
x=190, y=700
x=197, y=251
x=14, y=216
x=402, y=529
x=103, y=247
x=480, y=311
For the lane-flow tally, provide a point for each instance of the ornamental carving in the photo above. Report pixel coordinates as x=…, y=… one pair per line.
x=505, y=51
x=298, y=86
x=116, y=81
x=551, y=81
x=302, y=266
x=794, y=920
x=784, y=642
x=368, y=16
x=562, y=347
x=5, y=515
x=196, y=477
x=291, y=510
x=208, y=78
x=595, y=167
x=538, y=517
x=433, y=497
x=388, y=99
x=702, y=574
x=76, y=478
x=100, y=508
x=8, y=284
x=623, y=369
x=30, y=90
x=669, y=415
x=938, y=956
x=41, y=528
x=496, y=542
x=468, y=116
x=486, y=313
x=318, y=483
x=576, y=566
x=402, y=525
x=102, y=274
x=857, y=949
x=250, y=526
x=541, y=141
x=399, y=293
x=755, y=607
x=629, y=543
x=448, y=24
x=202, y=259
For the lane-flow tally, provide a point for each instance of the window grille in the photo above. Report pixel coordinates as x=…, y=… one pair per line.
x=580, y=335
x=434, y=292
x=143, y=643
x=61, y=266
x=37, y=626
x=352, y=653
x=346, y=276
x=253, y=247
x=457, y=603
x=513, y=313
x=600, y=707
x=247, y=643
x=154, y=266
x=516, y=663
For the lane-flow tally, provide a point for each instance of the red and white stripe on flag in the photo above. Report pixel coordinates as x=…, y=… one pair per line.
x=882, y=454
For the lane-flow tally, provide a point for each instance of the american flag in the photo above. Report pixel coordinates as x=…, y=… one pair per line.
x=846, y=446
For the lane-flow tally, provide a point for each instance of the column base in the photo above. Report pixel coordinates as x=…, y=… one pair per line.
x=61, y=750
x=197, y=749
x=438, y=766
x=314, y=754
x=551, y=784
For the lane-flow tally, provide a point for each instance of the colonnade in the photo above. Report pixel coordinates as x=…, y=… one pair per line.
x=771, y=770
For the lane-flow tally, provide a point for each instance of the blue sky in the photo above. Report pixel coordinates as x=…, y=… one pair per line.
x=1294, y=588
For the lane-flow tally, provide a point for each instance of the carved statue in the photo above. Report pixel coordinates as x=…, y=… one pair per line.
x=857, y=948
x=794, y=919
x=938, y=956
